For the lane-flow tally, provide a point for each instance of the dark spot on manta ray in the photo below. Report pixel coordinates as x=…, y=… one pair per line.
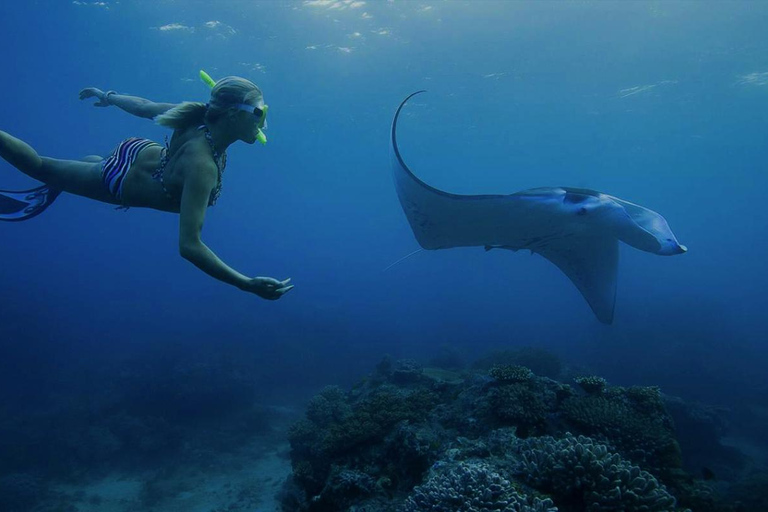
x=582, y=211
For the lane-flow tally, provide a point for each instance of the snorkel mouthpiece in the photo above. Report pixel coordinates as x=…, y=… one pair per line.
x=210, y=82
x=260, y=136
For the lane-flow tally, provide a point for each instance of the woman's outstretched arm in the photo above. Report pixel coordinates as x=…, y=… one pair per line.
x=140, y=107
x=194, y=202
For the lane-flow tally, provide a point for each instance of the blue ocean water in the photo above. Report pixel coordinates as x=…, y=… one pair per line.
x=660, y=103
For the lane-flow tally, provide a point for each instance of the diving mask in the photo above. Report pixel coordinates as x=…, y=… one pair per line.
x=259, y=112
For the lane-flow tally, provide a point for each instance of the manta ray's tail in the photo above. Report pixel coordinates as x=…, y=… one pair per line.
x=402, y=259
x=25, y=204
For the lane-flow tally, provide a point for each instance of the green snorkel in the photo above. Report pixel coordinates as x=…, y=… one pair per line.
x=210, y=82
x=261, y=137
x=206, y=78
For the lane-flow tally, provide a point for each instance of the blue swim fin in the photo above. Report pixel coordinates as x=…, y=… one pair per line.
x=25, y=204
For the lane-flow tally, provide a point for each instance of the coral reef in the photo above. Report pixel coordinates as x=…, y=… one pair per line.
x=592, y=384
x=518, y=405
x=338, y=428
x=633, y=419
x=508, y=373
x=404, y=440
x=578, y=469
x=472, y=487
x=402, y=371
x=328, y=407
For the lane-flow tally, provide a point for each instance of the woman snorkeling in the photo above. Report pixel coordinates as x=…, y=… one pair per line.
x=183, y=177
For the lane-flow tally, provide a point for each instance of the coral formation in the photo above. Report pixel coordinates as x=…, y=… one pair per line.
x=328, y=407
x=592, y=384
x=634, y=421
x=472, y=487
x=338, y=428
x=508, y=373
x=578, y=467
x=518, y=405
x=403, y=440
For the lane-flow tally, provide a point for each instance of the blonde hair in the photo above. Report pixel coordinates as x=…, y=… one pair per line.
x=226, y=94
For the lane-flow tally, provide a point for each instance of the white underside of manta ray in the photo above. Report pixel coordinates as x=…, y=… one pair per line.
x=576, y=229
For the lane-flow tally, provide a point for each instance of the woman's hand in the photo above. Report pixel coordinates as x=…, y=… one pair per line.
x=268, y=288
x=92, y=92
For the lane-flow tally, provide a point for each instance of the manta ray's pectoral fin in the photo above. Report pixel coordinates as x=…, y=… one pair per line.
x=591, y=263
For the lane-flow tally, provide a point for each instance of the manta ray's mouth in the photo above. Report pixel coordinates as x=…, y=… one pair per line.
x=672, y=248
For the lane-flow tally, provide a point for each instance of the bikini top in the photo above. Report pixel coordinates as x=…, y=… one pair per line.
x=219, y=159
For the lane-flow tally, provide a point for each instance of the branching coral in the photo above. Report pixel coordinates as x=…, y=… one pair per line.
x=642, y=433
x=375, y=415
x=510, y=373
x=579, y=469
x=517, y=405
x=592, y=385
x=328, y=407
x=472, y=487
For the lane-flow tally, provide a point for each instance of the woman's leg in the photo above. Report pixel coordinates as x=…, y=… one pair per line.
x=73, y=176
x=20, y=155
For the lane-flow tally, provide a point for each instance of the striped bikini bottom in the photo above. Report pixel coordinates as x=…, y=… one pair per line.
x=115, y=167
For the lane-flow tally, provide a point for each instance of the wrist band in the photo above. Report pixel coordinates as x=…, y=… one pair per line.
x=106, y=96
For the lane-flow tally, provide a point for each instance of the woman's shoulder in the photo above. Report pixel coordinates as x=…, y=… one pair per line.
x=189, y=141
x=195, y=152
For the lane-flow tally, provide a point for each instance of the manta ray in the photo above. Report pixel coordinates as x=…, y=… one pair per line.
x=576, y=229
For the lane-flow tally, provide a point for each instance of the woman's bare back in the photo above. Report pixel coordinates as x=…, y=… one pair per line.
x=143, y=189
